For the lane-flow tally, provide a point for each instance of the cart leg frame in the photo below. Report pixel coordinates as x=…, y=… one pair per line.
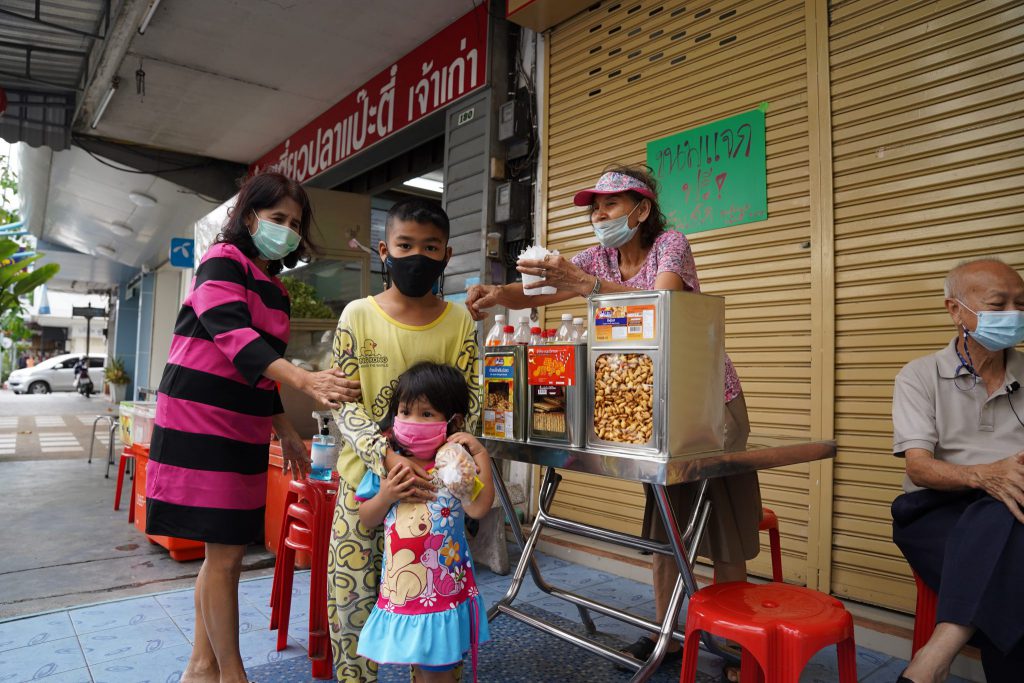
x=681, y=546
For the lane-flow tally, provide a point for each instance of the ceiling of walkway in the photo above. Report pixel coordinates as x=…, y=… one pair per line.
x=223, y=80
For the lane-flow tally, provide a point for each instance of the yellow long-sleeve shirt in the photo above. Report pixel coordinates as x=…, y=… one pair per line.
x=374, y=348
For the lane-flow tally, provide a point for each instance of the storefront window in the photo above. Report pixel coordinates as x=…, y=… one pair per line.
x=335, y=282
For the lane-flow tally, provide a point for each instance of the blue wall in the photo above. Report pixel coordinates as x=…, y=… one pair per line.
x=126, y=333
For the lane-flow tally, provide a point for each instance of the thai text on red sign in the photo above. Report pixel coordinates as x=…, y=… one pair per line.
x=446, y=67
x=553, y=366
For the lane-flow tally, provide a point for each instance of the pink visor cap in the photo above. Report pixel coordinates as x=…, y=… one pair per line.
x=613, y=182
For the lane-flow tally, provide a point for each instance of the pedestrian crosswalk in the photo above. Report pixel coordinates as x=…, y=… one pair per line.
x=50, y=421
x=8, y=422
x=58, y=442
x=7, y=443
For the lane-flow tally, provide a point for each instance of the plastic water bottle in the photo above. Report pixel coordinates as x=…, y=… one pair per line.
x=325, y=456
x=494, y=337
x=579, y=332
x=522, y=335
x=508, y=334
x=565, y=329
x=536, y=337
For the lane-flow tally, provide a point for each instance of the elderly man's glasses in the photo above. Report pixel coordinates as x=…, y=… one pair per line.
x=969, y=381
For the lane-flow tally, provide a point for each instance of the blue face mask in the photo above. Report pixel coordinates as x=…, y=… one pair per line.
x=997, y=330
x=274, y=241
x=614, y=232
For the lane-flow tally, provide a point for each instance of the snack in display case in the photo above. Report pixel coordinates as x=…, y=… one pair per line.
x=656, y=368
x=556, y=375
x=504, y=394
x=624, y=397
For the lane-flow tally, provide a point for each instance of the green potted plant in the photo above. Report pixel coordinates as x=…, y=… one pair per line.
x=306, y=303
x=117, y=379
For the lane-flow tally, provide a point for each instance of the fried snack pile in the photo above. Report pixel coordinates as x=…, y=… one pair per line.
x=456, y=469
x=624, y=397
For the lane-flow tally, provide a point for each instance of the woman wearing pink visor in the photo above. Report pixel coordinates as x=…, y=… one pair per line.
x=636, y=251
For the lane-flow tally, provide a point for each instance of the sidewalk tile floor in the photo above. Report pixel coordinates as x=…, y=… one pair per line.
x=149, y=638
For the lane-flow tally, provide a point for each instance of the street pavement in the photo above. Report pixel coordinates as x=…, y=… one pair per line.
x=61, y=543
x=51, y=426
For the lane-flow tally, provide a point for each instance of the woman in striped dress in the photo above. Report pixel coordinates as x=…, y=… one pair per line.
x=218, y=403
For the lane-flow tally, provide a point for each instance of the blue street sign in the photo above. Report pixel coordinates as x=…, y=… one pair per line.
x=182, y=252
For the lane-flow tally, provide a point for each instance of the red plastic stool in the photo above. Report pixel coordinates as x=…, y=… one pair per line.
x=779, y=627
x=296, y=488
x=296, y=536
x=309, y=508
x=126, y=455
x=924, y=617
x=770, y=523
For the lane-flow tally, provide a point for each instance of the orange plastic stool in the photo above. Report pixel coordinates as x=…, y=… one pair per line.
x=309, y=509
x=126, y=455
x=924, y=616
x=779, y=627
x=770, y=523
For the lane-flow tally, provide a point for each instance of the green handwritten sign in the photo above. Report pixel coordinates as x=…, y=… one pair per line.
x=713, y=176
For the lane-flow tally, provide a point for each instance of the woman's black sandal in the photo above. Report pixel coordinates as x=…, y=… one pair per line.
x=641, y=651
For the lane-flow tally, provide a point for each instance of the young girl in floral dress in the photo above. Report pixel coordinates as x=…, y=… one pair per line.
x=429, y=612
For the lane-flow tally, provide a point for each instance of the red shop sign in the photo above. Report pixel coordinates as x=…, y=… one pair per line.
x=446, y=67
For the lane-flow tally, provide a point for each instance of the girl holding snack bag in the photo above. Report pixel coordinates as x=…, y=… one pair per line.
x=429, y=612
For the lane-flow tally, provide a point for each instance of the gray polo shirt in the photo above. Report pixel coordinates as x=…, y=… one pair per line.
x=957, y=426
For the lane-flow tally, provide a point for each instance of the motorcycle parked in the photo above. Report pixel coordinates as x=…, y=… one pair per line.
x=83, y=383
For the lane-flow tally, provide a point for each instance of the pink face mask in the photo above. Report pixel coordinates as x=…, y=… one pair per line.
x=422, y=439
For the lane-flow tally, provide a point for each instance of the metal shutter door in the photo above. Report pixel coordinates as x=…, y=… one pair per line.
x=927, y=140
x=623, y=73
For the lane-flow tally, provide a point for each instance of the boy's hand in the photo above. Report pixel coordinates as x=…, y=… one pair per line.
x=399, y=484
x=424, y=487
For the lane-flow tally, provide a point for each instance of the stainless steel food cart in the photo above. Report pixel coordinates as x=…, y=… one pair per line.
x=655, y=473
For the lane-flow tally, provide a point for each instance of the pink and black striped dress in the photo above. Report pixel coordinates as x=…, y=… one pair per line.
x=207, y=473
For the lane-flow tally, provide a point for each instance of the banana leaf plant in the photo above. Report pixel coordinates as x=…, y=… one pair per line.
x=15, y=278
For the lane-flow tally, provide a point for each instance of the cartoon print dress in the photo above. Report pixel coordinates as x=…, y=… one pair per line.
x=429, y=610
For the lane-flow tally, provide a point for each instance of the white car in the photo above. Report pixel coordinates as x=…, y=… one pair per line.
x=56, y=374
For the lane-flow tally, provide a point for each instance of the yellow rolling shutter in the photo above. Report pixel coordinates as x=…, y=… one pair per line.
x=624, y=73
x=928, y=170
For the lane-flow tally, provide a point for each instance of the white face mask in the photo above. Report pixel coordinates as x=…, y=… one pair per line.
x=614, y=232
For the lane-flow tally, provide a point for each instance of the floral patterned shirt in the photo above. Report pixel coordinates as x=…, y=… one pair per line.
x=670, y=253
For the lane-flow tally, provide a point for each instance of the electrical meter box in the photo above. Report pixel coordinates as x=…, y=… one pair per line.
x=511, y=202
x=514, y=121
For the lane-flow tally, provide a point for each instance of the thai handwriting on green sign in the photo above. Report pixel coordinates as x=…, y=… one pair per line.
x=713, y=176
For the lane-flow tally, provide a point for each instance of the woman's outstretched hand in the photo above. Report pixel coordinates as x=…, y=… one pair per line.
x=558, y=272
x=481, y=297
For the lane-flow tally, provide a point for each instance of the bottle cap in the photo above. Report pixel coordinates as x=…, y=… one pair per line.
x=508, y=328
x=567, y=316
x=577, y=321
x=499, y=318
x=534, y=330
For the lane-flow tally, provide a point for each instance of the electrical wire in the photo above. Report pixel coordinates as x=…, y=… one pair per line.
x=186, y=167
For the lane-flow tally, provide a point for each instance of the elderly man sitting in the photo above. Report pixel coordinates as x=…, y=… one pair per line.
x=958, y=419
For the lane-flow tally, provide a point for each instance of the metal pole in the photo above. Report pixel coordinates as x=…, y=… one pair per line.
x=88, y=335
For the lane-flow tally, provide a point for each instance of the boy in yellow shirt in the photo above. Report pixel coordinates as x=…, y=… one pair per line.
x=377, y=339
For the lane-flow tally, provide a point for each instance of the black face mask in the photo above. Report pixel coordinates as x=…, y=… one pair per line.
x=414, y=275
